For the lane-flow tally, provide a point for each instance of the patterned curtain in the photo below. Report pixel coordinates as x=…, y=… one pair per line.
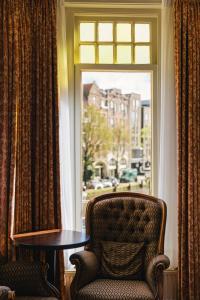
x=187, y=64
x=10, y=44
x=28, y=87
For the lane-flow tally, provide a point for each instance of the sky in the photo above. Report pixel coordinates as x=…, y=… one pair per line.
x=126, y=81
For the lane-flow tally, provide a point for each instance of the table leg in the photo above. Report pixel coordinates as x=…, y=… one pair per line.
x=51, y=258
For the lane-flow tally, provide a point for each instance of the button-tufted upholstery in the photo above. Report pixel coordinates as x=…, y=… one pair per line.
x=122, y=218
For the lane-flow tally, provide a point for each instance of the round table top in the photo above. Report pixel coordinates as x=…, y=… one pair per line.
x=64, y=239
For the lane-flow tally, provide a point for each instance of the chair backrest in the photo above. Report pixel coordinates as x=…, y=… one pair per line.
x=127, y=217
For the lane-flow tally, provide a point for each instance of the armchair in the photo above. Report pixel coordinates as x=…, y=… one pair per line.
x=28, y=280
x=124, y=259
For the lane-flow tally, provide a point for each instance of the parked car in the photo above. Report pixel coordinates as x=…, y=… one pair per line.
x=106, y=183
x=114, y=181
x=95, y=184
x=129, y=175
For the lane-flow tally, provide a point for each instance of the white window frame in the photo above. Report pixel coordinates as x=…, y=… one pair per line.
x=80, y=12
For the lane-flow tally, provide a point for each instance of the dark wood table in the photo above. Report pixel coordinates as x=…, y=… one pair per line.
x=52, y=241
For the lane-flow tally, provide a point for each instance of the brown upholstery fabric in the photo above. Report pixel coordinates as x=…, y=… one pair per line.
x=122, y=219
x=187, y=67
x=26, y=279
x=107, y=289
x=122, y=260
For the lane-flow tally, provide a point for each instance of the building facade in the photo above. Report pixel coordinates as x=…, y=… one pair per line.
x=125, y=114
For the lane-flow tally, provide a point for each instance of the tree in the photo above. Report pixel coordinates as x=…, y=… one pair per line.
x=121, y=141
x=97, y=138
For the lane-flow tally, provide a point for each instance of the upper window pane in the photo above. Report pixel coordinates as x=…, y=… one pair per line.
x=87, y=54
x=142, y=54
x=87, y=32
x=105, y=54
x=124, y=54
x=123, y=32
x=105, y=32
x=142, y=33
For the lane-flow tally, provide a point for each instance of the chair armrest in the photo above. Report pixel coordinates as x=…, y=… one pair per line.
x=154, y=273
x=87, y=267
x=27, y=279
x=6, y=293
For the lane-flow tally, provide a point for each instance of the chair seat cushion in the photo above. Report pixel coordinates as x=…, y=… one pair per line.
x=107, y=289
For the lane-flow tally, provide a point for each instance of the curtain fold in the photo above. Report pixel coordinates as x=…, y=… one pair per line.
x=10, y=47
x=187, y=61
x=167, y=183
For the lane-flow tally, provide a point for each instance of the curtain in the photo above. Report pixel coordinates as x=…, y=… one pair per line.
x=29, y=120
x=67, y=203
x=167, y=183
x=10, y=47
x=37, y=199
x=187, y=62
x=64, y=121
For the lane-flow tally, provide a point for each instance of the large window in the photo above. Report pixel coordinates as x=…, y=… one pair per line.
x=115, y=92
x=116, y=147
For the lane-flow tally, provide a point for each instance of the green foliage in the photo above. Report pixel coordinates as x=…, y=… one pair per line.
x=97, y=138
x=121, y=141
x=145, y=134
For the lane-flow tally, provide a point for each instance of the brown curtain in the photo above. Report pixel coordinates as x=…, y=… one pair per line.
x=10, y=48
x=187, y=60
x=28, y=74
x=37, y=197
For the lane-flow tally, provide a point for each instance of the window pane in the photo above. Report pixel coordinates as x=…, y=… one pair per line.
x=142, y=33
x=124, y=54
x=87, y=54
x=124, y=32
x=120, y=143
x=87, y=32
x=105, y=32
x=142, y=54
x=105, y=54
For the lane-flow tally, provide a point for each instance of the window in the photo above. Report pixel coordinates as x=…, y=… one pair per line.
x=115, y=42
x=116, y=60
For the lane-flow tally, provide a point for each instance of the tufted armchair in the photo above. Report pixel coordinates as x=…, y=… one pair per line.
x=124, y=259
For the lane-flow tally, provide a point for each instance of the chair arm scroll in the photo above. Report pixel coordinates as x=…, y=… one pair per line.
x=87, y=267
x=154, y=273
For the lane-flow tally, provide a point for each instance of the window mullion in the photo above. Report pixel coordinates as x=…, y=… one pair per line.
x=114, y=43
